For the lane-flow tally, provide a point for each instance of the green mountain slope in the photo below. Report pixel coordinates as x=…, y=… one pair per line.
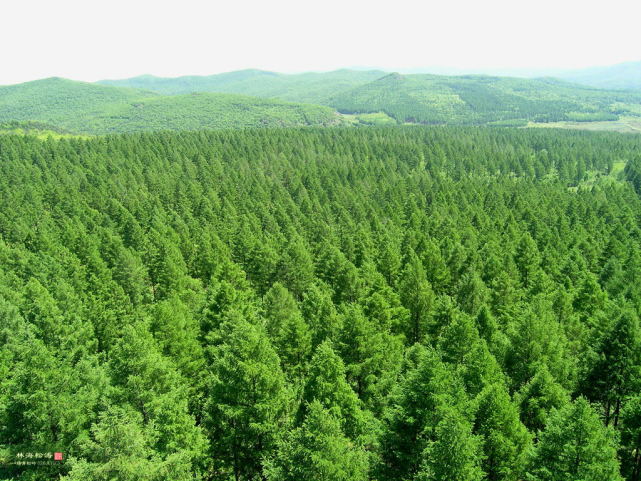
x=306, y=87
x=61, y=102
x=424, y=99
x=97, y=109
x=419, y=98
x=435, y=99
x=209, y=111
x=622, y=76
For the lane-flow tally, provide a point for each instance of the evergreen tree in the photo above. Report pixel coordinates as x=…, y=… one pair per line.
x=414, y=411
x=455, y=455
x=505, y=440
x=617, y=369
x=318, y=450
x=247, y=397
x=417, y=296
x=575, y=446
x=630, y=452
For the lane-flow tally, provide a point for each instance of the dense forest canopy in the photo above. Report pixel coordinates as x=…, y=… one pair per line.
x=387, y=304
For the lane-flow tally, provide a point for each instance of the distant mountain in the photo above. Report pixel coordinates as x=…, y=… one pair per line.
x=363, y=97
x=311, y=87
x=416, y=98
x=97, y=109
x=477, y=99
x=622, y=76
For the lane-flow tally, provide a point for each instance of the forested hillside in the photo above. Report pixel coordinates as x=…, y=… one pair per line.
x=387, y=304
x=363, y=97
x=312, y=87
x=423, y=99
x=96, y=109
x=477, y=99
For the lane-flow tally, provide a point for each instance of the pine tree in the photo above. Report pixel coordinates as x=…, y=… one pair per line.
x=415, y=409
x=617, y=370
x=538, y=397
x=575, y=446
x=417, y=296
x=455, y=455
x=327, y=384
x=318, y=450
x=287, y=329
x=505, y=440
x=120, y=449
x=630, y=453
x=247, y=397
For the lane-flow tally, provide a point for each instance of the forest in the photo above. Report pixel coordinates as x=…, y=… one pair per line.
x=388, y=304
x=91, y=109
x=255, y=98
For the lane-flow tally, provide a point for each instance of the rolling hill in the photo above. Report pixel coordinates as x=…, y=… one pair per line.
x=311, y=87
x=622, y=76
x=89, y=108
x=418, y=98
x=475, y=99
x=343, y=97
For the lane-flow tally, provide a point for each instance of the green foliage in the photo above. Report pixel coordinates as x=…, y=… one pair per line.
x=247, y=397
x=505, y=439
x=318, y=450
x=384, y=304
x=575, y=446
x=119, y=450
x=435, y=99
x=538, y=398
x=630, y=453
x=96, y=109
x=455, y=455
x=616, y=371
x=428, y=389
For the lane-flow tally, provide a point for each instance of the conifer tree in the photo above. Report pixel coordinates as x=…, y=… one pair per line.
x=630, y=452
x=505, y=440
x=248, y=398
x=318, y=450
x=455, y=455
x=576, y=446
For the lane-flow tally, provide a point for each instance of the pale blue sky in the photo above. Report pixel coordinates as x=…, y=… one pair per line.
x=91, y=40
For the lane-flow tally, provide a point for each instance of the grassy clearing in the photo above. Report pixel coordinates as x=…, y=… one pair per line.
x=624, y=124
x=375, y=118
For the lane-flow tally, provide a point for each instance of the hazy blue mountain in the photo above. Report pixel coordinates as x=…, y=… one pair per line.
x=622, y=76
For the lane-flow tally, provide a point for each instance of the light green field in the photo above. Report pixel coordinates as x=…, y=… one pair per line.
x=624, y=124
x=376, y=118
x=36, y=129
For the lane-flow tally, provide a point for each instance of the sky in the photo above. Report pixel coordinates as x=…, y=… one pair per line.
x=92, y=40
